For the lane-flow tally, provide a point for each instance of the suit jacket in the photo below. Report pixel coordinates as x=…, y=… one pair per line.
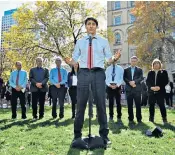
x=33, y=76
x=137, y=77
x=69, y=80
x=171, y=85
x=161, y=81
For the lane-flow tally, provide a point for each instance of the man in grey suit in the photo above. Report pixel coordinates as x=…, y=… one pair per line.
x=39, y=77
x=133, y=76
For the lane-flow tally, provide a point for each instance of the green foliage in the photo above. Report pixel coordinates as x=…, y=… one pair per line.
x=48, y=29
x=152, y=29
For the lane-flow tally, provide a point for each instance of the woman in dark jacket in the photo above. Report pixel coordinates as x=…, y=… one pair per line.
x=72, y=84
x=156, y=81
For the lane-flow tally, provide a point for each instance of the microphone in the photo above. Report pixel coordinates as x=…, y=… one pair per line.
x=90, y=39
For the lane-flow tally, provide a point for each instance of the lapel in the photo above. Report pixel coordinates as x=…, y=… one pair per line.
x=130, y=73
x=158, y=76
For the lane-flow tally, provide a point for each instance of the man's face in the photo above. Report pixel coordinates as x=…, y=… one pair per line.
x=18, y=66
x=133, y=62
x=58, y=63
x=39, y=62
x=91, y=27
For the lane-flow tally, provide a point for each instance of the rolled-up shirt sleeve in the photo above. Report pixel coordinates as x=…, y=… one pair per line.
x=76, y=53
x=107, y=51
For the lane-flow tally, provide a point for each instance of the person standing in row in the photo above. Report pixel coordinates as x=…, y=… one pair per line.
x=58, y=80
x=114, y=79
x=18, y=81
x=156, y=81
x=39, y=77
x=133, y=76
x=72, y=84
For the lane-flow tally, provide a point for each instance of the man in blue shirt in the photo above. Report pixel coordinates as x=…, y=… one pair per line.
x=39, y=77
x=58, y=80
x=91, y=52
x=114, y=79
x=18, y=81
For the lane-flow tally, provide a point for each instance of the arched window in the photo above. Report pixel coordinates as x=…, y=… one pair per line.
x=118, y=38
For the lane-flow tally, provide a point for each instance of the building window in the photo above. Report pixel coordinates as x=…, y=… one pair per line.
x=132, y=52
x=132, y=18
x=117, y=5
x=118, y=38
x=132, y=3
x=117, y=20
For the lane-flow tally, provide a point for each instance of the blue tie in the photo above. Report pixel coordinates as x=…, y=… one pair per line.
x=113, y=73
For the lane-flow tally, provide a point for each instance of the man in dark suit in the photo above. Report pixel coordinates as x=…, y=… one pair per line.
x=133, y=76
x=39, y=77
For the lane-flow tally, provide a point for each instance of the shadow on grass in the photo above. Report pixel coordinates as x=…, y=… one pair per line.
x=4, y=121
x=15, y=123
x=166, y=126
x=31, y=126
x=116, y=127
x=73, y=151
x=139, y=127
x=49, y=122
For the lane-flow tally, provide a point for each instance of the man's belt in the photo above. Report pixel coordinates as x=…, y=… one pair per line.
x=93, y=69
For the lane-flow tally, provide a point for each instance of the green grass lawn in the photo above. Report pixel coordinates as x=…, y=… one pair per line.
x=53, y=137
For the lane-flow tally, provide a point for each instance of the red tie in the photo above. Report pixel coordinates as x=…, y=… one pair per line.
x=59, y=75
x=90, y=57
x=17, y=79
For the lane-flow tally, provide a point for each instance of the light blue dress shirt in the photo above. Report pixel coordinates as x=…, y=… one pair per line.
x=132, y=71
x=22, y=78
x=54, y=76
x=100, y=51
x=118, y=79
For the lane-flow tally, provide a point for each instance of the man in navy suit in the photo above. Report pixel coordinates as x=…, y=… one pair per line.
x=133, y=76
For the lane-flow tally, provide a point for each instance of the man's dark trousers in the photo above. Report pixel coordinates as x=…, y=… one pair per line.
x=60, y=94
x=97, y=80
x=15, y=95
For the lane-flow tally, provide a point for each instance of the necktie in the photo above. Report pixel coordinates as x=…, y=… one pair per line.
x=59, y=75
x=90, y=56
x=17, y=79
x=132, y=71
x=113, y=73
